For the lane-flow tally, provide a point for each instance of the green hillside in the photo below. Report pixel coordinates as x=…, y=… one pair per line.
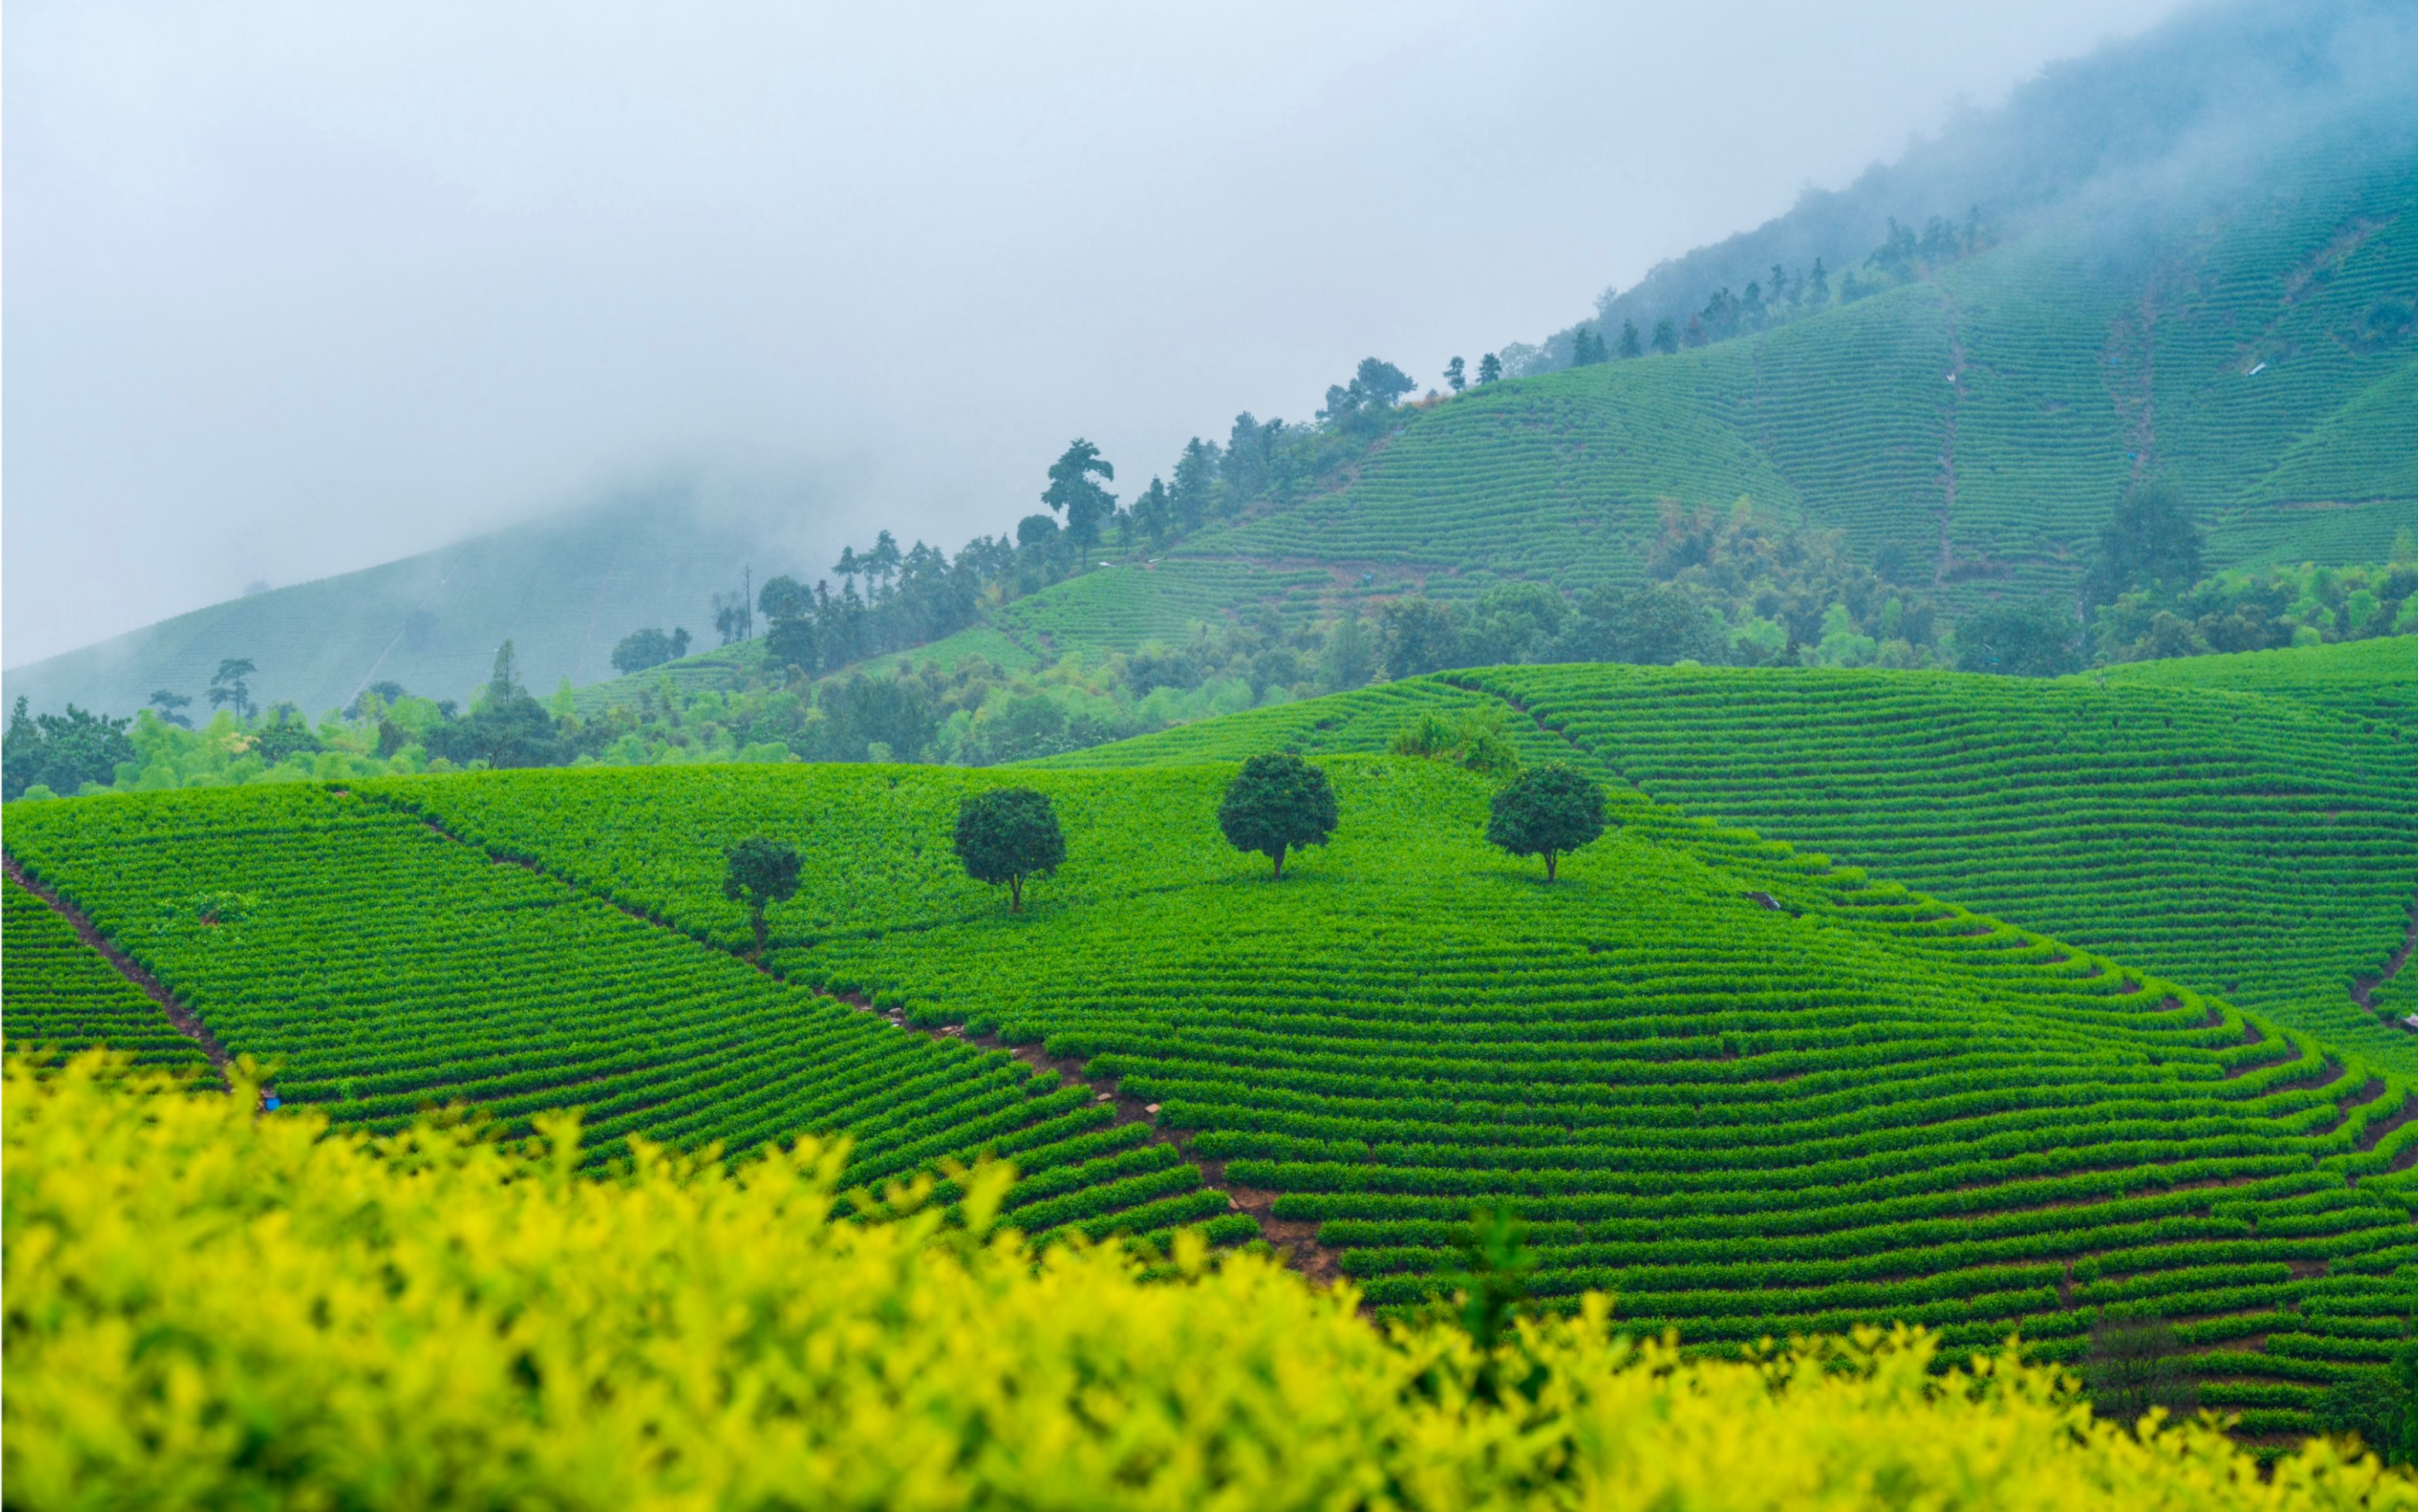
x=381, y=967
x=2260, y=845
x=1748, y=1091
x=564, y=591
x=2375, y=681
x=2251, y=343
x=1984, y=419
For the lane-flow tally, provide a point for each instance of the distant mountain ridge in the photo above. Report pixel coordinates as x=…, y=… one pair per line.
x=564, y=590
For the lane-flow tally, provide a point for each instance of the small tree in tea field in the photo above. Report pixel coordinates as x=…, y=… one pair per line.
x=1276, y=803
x=763, y=872
x=2136, y=1363
x=1008, y=835
x=1545, y=811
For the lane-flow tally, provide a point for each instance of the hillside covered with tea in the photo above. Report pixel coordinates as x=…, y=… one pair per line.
x=1742, y=1087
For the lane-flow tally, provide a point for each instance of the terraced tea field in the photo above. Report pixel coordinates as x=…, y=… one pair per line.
x=382, y=967
x=2260, y=844
x=1993, y=412
x=62, y=996
x=1745, y=1087
x=1121, y=607
x=2375, y=682
x=1746, y=1091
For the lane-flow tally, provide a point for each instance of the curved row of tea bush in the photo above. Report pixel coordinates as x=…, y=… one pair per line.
x=62, y=996
x=2246, y=825
x=382, y=967
x=1746, y=1091
x=2244, y=845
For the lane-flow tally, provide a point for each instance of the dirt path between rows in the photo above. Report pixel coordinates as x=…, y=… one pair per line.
x=2363, y=989
x=1296, y=1239
x=150, y=986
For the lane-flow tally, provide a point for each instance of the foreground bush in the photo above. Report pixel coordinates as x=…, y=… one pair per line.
x=202, y=1310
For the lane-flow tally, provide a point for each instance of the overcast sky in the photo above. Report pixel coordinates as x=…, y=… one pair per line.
x=294, y=288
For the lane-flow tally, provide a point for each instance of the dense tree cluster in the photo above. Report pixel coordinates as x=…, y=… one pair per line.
x=1727, y=589
x=642, y=649
x=2255, y=610
x=62, y=753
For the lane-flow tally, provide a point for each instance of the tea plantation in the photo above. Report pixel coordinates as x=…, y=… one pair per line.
x=382, y=967
x=1984, y=419
x=1748, y=1089
x=2245, y=825
x=62, y=996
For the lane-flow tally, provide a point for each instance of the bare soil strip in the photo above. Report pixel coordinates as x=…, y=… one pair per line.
x=150, y=986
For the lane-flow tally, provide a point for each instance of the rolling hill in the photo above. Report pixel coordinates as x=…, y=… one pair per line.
x=2255, y=345
x=1747, y=1089
x=2246, y=825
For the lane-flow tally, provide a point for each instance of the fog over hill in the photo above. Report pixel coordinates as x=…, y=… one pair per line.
x=2191, y=110
x=295, y=293
x=2138, y=175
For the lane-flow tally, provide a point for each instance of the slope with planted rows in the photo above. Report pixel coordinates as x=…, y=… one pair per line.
x=381, y=966
x=2262, y=846
x=1748, y=1091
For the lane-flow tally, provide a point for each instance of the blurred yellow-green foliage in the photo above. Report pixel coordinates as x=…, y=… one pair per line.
x=206, y=1309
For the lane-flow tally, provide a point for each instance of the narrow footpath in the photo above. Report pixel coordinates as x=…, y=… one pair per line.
x=2363, y=989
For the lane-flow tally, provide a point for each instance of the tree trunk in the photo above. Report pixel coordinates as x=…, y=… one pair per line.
x=1550, y=858
x=1279, y=861
x=1016, y=894
x=758, y=920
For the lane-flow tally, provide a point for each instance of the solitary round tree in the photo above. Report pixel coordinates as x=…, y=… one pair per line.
x=1277, y=801
x=1008, y=835
x=764, y=872
x=1545, y=811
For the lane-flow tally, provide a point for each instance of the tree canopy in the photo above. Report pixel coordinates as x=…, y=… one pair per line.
x=1073, y=491
x=62, y=751
x=642, y=649
x=2040, y=640
x=1007, y=834
x=1376, y=387
x=761, y=872
x=2150, y=541
x=231, y=685
x=1546, y=811
x=1278, y=803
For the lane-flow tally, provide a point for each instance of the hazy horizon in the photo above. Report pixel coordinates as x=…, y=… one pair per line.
x=298, y=292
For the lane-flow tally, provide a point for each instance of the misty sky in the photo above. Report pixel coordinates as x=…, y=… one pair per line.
x=295, y=288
